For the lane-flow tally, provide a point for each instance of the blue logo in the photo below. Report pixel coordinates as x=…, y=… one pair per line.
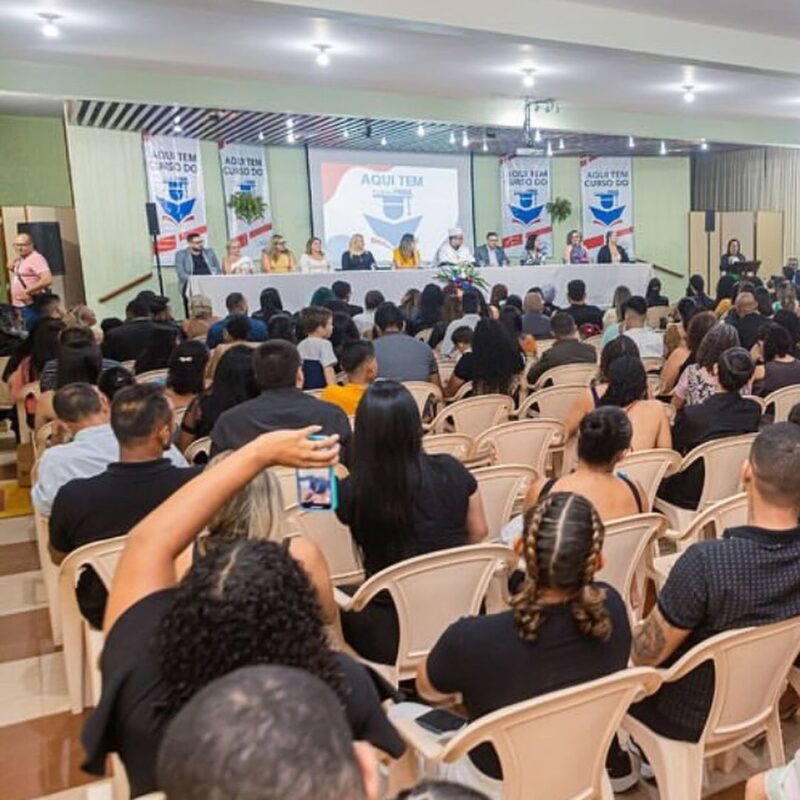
x=177, y=207
x=607, y=214
x=526, y=212
x=396, y=222
x=247, y=187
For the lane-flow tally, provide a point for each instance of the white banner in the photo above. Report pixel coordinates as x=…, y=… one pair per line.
x=246, y=191
x=175, y=185
x=525, y=190
x=607, y=189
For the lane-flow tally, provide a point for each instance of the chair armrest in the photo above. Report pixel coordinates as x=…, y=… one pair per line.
x=342, y=599
x=424, y=742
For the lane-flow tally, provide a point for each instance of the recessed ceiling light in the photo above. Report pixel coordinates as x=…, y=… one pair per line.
x=49, y=29
x=345, y=134
x=464, y=139
x=561, y=144
x=631, y=142
x=384, y=141
x=420, y=130
x=261, y=136
x=528, y=77
x=452, y=137
x=662, y=151
x=537, y=136
x=323, y=57
x=549, y=148
x=485, y=147
x=290, y=137
x=688, y=94
x=290, y=123
x=703, y=144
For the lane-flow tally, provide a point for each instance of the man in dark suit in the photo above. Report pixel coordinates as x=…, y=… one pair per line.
x=125, y=342
x=567, y=349
x=491, y=254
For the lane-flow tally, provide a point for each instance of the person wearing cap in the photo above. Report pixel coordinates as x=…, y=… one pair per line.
x=454, y=251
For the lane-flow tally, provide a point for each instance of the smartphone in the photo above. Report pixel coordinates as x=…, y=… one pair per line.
x=317, y=488
x=439, y=721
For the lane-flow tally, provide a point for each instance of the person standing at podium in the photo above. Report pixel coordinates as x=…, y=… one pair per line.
x=729, y=261
x=29, y=274
x=194, y=259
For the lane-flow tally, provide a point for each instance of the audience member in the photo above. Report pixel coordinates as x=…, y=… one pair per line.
x=725, y=413
x=493, y=365
x=726, y=292
x=430, y=308
x=470, y=306
x=511, y=320
x=126, y=341
x=634, y=326
x=186, y=371
x=410, y=303
x=281, y=404
x=84, y=412
x=343, y=291
x=359, y=363
x=497, y=296
x=563, y=629
x=604, y=439
x=270, y=303
x=400, y=356
x=344, y=331
x=283, y=326
x=109, y=504
x=567, y=348
x=534, y=320
x=12, y=330
x=578, y=308
x=400, y=502
x=365, y=321
x=764, y=301
x=265, y=733
x=109, y=323
x=158, y=351
x=441, y=790
x=69, y=339
x=316, y=347
x=747, y=577
x=451, y=311
x=747, y=319
x=257, y=603
x=113, y=379
x=685, y=354
x=201, y=317
x=696, y=290
x=462, y=339
x=237, y=306
x=780, y=367
x=613, y=316
x=653, y=294
x=790, y=321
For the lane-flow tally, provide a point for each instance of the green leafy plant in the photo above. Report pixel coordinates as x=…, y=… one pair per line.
x=247, y=206
x=559, y=209
x=462, y=276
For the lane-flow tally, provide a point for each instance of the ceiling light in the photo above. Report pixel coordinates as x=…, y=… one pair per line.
x=176, y=124
x=537, y=136
x=549, y=148
x=464, y=139
x=662, y=151
x=345, y=134
x=485, y=146
x=49, y=28
x=631, y=142
x=290, y=138
x=452, y=137
x=703, y=144
x=527, y=78
x=384, y=141
x=420, y=130
x=323, y=57
x=688, y=94
x=561, y=144
x=290, y=123
x=261, y=136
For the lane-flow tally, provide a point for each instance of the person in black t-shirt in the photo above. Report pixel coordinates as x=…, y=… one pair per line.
x=563, y=629
x=109, y=504
x=399, y=503
x=578, y=309
x=244, y=603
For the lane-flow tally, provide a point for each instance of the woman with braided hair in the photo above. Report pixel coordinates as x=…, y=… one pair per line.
x=563, y=629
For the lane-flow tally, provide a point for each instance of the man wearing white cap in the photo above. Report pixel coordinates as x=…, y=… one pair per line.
x=454, y=251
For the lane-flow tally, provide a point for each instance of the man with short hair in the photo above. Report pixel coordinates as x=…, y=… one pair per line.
x=567, y=348
x=453, y=251
x=358, y=360
x=491, y=254
x=29, y=274
x=194, y=259
x=747, y=320
x=748, y=577
x=365, y=321
x=125, y=342
x=282, y=403
x=343, y=291
x=401, y=357
x=237, y=307
x=84, y=412
x=109, y=504
x=265, y=733
x=579, y=309
x=470, y=306
x=635, y=327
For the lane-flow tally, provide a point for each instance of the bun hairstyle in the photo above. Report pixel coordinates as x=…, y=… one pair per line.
x=616, y=348
x=627, y=382
x=603, y=434
x=562, y=538
x=735, y=367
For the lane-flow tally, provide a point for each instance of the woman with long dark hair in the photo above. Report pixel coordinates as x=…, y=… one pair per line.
x=156, y=355
x=234, y=383
x=564, y=628
x=400, y=502
x=430, y=308
x=685, y=354
x=270, y=303
x=696, y=290
x=186, y=371
x=244, y=603
x=779, y=367
x=493, y=365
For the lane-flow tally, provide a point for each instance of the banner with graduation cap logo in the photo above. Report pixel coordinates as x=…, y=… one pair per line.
x=607, y=190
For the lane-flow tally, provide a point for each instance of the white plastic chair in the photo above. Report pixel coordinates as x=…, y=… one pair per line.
x=595, y=341
x=783, y=399
x=25, y=430
x=41, y=438
x=152, y=376
x=553, y=747
x=49, y=574
x=428, y=397
x=751, y=667
x=525, y=441
x=501, y=487
x=649, y=468
x=655, y=314
x=553, y=402
x=458, y=445
x=652, y=363
x=82, y=645
x=473, y=415
x=198, y=446
x=723, y=463
x=567, y=374
x=336, y=543
x=429, y=593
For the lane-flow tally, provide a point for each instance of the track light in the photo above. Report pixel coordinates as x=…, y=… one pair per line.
x=688, y=94
x=662, y=151
x=703, y=144
x=561, y=144
x=464, y=139
x=420, y=130
x=537, y=136
x=176, y=124
x=290, y=137
x=485, y=146
x=261, y=136
x=549, y=148
x=631, y=142
x=527, y=78
x=384, y=141
x=323, y=57
x=452, y=137
x=345, y=134
x=290, y=123
x=49, y=28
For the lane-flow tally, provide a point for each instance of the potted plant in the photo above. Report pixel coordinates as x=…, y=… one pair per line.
x=559, y=209
x=247, y=206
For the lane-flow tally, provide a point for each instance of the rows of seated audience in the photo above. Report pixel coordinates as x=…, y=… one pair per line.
x=223, y=631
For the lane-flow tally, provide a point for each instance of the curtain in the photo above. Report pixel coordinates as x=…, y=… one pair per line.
x=780, y=193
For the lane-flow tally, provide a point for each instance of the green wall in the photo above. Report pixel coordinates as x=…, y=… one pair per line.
x=34, y=169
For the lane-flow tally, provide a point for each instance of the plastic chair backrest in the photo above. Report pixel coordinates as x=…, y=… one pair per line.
x=446, y=368
x=48, y=568
x=655, y=314
x=783, y=399
x=595, y=341
x=568, y=373
x=42, y=437
x=652, y=363
x=554, y=402
x=714, y=520
x=152, y=376
x=500, y=487
x=313, y=375
x=432, y=591
x=525, y=441
x=424, y=336
x=336, y=543
x=198, y=446
x=427, y=396
x=6, y=400
x=28, y=390
x=569, y=730
x=458, y=445
x=649, y=468
x=474, y=415
x=723, y=462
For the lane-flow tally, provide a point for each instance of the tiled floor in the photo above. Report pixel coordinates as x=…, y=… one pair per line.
x=40, y=751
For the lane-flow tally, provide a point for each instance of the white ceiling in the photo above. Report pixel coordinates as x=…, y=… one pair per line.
x=243, y=38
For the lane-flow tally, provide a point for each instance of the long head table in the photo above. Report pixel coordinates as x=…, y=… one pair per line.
x=296, y=288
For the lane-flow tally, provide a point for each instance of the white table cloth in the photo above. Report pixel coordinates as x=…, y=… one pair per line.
x=296, y=288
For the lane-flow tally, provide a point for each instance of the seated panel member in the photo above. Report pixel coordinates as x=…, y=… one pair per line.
x=491, y=254
x=454, y=251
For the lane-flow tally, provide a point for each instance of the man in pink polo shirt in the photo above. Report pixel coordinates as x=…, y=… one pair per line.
x=29, y=274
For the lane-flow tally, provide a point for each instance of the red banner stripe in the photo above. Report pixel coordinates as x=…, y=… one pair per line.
x=598, y=241
x=261, y=229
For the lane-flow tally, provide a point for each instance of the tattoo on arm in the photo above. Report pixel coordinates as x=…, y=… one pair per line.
x=649, y=642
